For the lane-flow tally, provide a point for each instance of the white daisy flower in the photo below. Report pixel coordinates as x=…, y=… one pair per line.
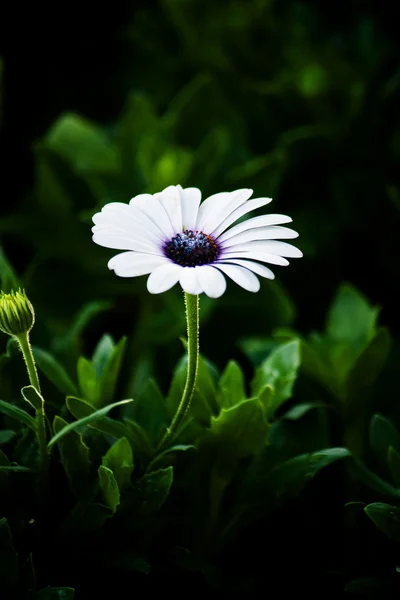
x=175, y=238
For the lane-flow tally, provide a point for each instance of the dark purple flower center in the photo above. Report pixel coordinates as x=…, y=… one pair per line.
x=192, y=249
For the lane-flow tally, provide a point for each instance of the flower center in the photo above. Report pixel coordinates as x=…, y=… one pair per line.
x=192, y=249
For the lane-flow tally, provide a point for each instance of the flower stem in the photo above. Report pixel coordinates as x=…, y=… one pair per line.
x=24, y=344
x=192, y=320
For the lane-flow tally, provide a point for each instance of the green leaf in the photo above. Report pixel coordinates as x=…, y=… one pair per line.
x=33, y=397
x=8, y=278
x=298, y=411
x=369, y=363
x=102, y=354
x=351, y=319
x=81, y=409
x=54, y=372
x=382, y=434
x=87, y=380
x=279, y=370
x=150, y=411
x=15, y=469
x=83, y=144
x=98, y=414
x=231, y=388
x=386, y=518
x=109, y=487
x=52, y=593
x=119, y=459
x=80, y=321
x=242, y=429
x=18, y=414
x=165, y=454
x=6, y=435
x=289, y=478
x=369, y=478
x=4, y=461
x=8, y=556
x=74, y=456
x=154, y=489
x=109, y=377
x=394, y=465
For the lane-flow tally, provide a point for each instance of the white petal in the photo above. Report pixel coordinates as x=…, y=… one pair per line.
x=272, y=259
x=211, y=280
x=239, y=212
x=215, y=208
x=243, y=277
x=134, y=264
x=255, y=222
x=119, y=240
x=190, y=200
x=129, y=219
x=163, y=278
x=261, y=233
x=156, y=213
x=253, y=266
x=270, y=246
x=170, y=199
x=189, y=281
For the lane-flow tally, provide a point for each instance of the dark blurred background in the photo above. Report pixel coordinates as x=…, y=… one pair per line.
x=297, y=100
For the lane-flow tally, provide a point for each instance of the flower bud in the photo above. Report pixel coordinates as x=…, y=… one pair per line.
x=16, y=313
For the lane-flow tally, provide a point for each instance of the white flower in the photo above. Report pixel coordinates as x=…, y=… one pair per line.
x=174, y=238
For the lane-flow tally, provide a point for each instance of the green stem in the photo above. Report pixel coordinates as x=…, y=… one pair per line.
x=24, y=343
x=192, y=320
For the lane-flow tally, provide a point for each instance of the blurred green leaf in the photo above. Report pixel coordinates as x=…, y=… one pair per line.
x=231, y=387
x=52, y=593
x=150, y=411
x=279, y=371
x=382, y=434
x=351, y=319
x=394, y=465
x=369, y=363
x=102, y=354
x=82, y=144
x=18, y=414
x=6, y=435
x=54, y=372
x=8, y=557
x=298, y=411
x=74, y=456
x=8, y=278
x=119, y=459
x=109, y=487
x=386, y=518
x=242, y=429
x=154, y=489
x=79, y=322
x=97, y=415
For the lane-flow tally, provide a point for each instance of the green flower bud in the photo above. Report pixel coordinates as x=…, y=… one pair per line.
x=16, y=313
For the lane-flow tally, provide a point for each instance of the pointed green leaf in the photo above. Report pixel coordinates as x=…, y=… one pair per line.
x=54, y=372
x=386, y=518
x=289, y=478
x=119, y=459
x=15, y=469
x=382, y=434
x=109, y=377
x=98, y=414
x=279, y=370
x=87, y=380
x=18, y=414
x=102, y=354
x=154, y=489
x=81, y=409
x=52, y=593
x=242, y=429
x=231, y=389
x=74, y=456
x=109, y=487
x=150, y=411
x=394, y=465
x=33, y=397
x=171, y=451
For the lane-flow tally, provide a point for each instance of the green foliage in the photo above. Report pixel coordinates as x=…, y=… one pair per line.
x=119, y=460
x=74, y=455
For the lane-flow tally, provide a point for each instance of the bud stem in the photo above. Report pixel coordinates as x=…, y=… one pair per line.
x=26, y=349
